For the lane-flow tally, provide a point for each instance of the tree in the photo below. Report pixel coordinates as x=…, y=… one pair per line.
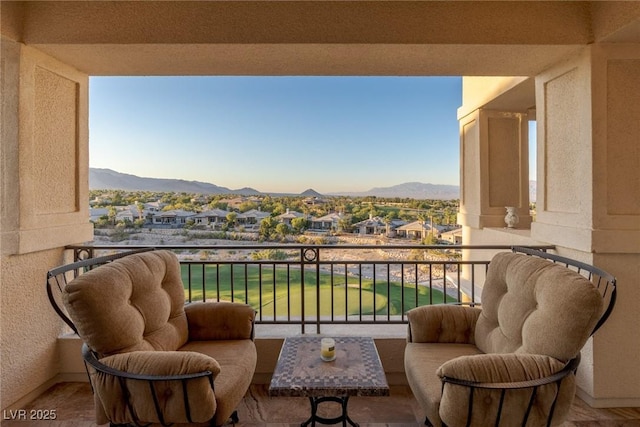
x=267, y=226
x=344, y=223
x=430, y=239
x=231, y=218
x=423, y=217
x=299, y=224
x=247, y=206
x=282, y=229
x=112, y=215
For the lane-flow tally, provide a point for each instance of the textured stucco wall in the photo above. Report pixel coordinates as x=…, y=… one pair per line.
x=44, y=189
x=588, y=204
x=28, y=325
x=44, y=152
x=494, y=161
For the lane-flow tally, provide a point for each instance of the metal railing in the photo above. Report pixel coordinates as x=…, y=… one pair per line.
x=325, y=284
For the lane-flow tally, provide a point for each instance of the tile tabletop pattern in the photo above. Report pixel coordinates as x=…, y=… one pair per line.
x=356, y=371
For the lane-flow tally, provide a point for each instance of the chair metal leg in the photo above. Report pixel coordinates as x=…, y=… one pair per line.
x=233, y=419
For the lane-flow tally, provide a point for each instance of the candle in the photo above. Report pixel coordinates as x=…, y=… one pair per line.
x=328, y=349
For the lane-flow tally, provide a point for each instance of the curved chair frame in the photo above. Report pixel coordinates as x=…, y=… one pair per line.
x=90, y=358
x=606, y=285
x=57, y=279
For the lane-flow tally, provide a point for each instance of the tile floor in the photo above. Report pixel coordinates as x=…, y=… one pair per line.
x=74, y=408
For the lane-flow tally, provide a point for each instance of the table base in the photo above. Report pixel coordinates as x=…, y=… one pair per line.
x=315, y=418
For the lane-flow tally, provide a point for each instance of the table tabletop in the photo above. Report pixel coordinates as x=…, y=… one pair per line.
x=356, y=371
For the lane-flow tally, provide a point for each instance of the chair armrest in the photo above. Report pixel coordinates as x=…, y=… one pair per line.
x=444, y=323
x=154, y=386
x=220, y=321
x=506, y=389
x=504, y=370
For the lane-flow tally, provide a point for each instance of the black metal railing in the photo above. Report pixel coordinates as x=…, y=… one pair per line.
x=325, y=284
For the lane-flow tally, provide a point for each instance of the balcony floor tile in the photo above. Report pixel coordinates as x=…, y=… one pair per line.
x=73, y=403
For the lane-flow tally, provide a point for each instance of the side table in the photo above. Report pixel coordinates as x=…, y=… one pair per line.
x=356, y=371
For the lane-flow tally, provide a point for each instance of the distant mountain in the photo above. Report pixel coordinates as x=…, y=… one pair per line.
x=247, y=191
x=413, y=190
x=310, y=192
x=107, y=179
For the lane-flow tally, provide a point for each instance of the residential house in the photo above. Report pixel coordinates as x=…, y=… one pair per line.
x=102, y=199
x=372, y=226
x=97, y=213
x=236, y=202
x=126, y=215
x=174, y=218
x=200, y=200
x=314, y=200
x=251, y=218
x=452, y=236
x=418, y=230
x=214, y=217
x=328, y=222
x=154, y=206
x=289, y=216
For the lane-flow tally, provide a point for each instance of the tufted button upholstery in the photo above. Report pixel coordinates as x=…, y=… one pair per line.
x=511, y=361
x=524, y=308
x=131, y=311
x=145, y=309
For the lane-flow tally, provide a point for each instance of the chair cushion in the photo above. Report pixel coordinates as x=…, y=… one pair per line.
x=421, y=361
x=530, y=305
x=505, y=368
x=133, y=303
x=169, y=394
x=219, y=321
x=237, y=359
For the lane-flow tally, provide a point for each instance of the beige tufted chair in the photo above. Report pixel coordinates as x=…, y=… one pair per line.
x=513, y=362
x=152, y=359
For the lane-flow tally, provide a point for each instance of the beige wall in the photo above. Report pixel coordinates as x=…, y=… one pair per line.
x=494, y=167
x=588, y=184
x=28, y=326
x=43, y=201
x=588, y=196
x=44, y=152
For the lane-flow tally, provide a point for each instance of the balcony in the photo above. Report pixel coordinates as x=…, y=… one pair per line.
x=328, y=289
x=74, y=404
x=321, y=288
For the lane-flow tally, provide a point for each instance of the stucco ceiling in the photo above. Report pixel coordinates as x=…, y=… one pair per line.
x=317, y=37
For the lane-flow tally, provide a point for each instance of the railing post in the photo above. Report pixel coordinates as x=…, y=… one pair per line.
x=311, y=255
x=317, y=262
x=302, y=313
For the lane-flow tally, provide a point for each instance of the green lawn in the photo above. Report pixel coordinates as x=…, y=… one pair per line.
x=277, y=298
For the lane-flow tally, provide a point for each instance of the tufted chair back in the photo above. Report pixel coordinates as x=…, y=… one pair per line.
x=530, y=305
x=145, y=309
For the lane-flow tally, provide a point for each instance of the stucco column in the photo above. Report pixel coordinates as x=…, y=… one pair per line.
x=44, y=204
x=494, y=168
x=588, y=205
x=45, y=156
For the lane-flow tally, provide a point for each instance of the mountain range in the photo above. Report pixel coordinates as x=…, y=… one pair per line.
x=107, y=179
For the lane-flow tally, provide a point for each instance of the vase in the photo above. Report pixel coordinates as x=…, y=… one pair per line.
x=511, y=218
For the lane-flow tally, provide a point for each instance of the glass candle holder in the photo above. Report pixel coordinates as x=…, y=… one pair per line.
x=328, y=349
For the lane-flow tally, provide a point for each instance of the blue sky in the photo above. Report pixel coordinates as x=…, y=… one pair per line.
x=278, y=134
